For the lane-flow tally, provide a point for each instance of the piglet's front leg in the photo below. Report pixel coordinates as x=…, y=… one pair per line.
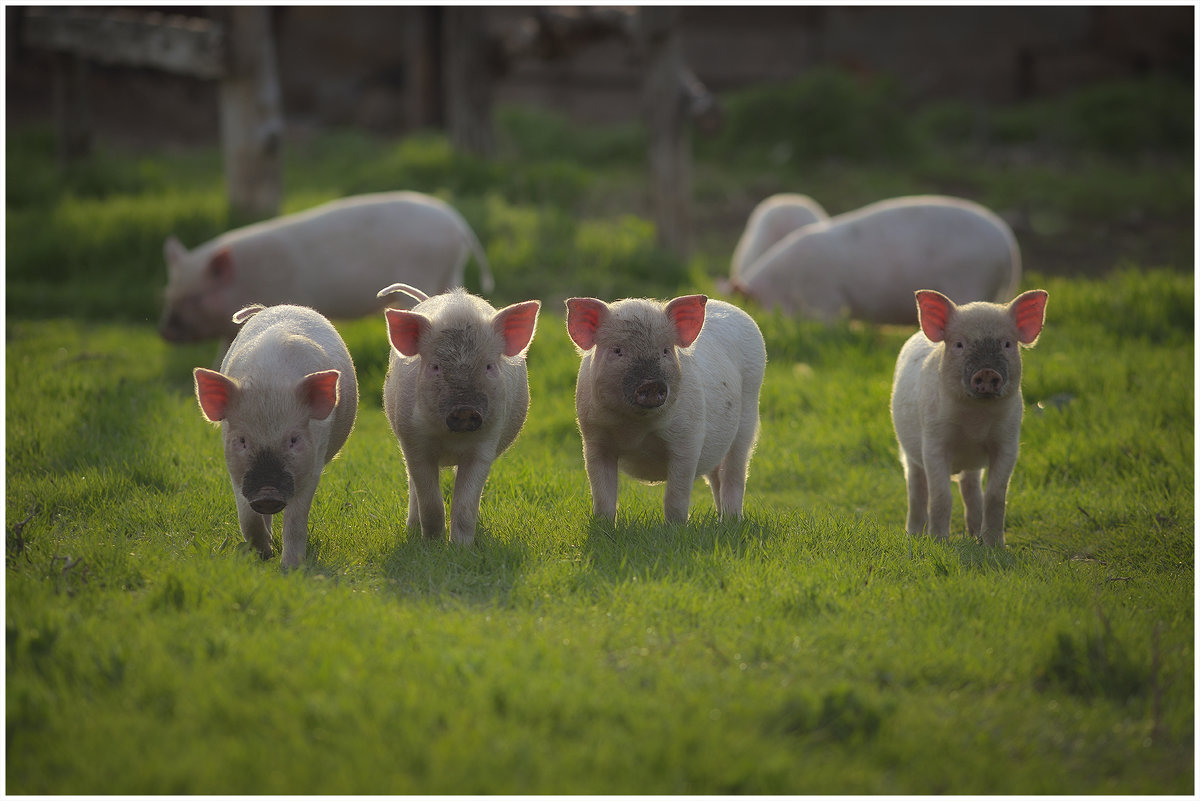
x=295, y=530
x=602, y=476
x=468, y=492
x=681, y=475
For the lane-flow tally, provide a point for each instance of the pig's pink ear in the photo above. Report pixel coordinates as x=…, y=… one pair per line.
x=220, y=266
x=584, y=317
x=405, y=330
x=516, y=323
x=934, y=311
x=320, y=392
x=687, y=315
x=1029, y=311
x=214, y=392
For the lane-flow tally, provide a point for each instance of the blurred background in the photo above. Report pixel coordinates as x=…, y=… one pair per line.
x=379, y=68
x=564, y=133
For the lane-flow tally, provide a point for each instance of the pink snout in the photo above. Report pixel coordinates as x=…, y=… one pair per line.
x=987, y=382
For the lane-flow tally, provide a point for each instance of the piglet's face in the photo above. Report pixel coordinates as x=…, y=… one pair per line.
x=635, y=363
x=981, y=341
x=463, y=364
x=268, y=432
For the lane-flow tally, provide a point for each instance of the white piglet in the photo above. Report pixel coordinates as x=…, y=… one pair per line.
x=286, y=398
x=456, y=395
x=331, y=258
x=866, y=264
x=772, y=220
x=667, y=392
x=957, y=408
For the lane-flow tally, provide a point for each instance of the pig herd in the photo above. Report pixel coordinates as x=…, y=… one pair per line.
x=666, y=392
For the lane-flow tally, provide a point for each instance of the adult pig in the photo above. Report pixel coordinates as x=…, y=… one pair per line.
x=456, y=394
x=867, y=263
x=772, y=220
x=331, y=258
x=667, y=392
x=957, y=406
x=285, y=397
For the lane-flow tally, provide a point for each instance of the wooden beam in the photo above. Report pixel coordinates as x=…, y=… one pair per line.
x=173, y=43
x=251, y=111
x=664, y=105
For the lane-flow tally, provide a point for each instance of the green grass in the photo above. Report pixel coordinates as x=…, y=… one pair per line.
x=812, y=648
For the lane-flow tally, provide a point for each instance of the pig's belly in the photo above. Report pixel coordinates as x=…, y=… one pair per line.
x=644, y=470
x=651, y=464
x=967, y=456
x=647, y=461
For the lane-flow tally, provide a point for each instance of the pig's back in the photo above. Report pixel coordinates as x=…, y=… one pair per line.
x=730, y=356
x=338, y=255
x=896, y=247
x=772, y=220
x=906, y=393
x=731, y=336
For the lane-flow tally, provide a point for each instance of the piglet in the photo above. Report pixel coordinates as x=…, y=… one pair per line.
x=286, y=398
x=667, y=392
x=331, y=258
x=957, y=407
x=772, y=220
x=456, y=394
x=865, y=264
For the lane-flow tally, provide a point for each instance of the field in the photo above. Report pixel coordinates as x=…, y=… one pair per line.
x=812, y=648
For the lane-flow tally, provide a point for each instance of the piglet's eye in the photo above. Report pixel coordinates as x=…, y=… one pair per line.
x=958, y=345
x=295, y=440
x=666, y=351
x=1007, y=343
x=616, y=351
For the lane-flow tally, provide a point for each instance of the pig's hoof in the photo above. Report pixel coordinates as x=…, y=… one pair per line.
x=262, y=553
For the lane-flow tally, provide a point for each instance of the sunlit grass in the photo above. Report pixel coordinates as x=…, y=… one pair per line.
x=812, y=648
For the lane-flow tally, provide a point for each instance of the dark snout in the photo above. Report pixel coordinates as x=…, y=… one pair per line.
x=645, y=384
x=985, y=370
x=465, y=411
x=267, y=485
x=170, y=328
x=268, y=501
x=987, y=382
x=463, y=419
x=650, y=394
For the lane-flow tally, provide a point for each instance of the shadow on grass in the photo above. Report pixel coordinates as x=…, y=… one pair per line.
x=649, y=548
x=961, y=554
x=482, y=573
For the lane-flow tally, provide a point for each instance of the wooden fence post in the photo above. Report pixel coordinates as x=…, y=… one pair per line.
x=668, y=140
x=72, y=114
x=468, y=77
x=251, y=112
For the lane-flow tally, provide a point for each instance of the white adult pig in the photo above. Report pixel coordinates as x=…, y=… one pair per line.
x=772, y=220
x=332, y=258
x=957, y=406
x=867, y=263
x=456, y=394
x=286, y=398
x=667, y=392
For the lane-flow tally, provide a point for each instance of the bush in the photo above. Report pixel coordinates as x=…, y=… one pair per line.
x=826, y=113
